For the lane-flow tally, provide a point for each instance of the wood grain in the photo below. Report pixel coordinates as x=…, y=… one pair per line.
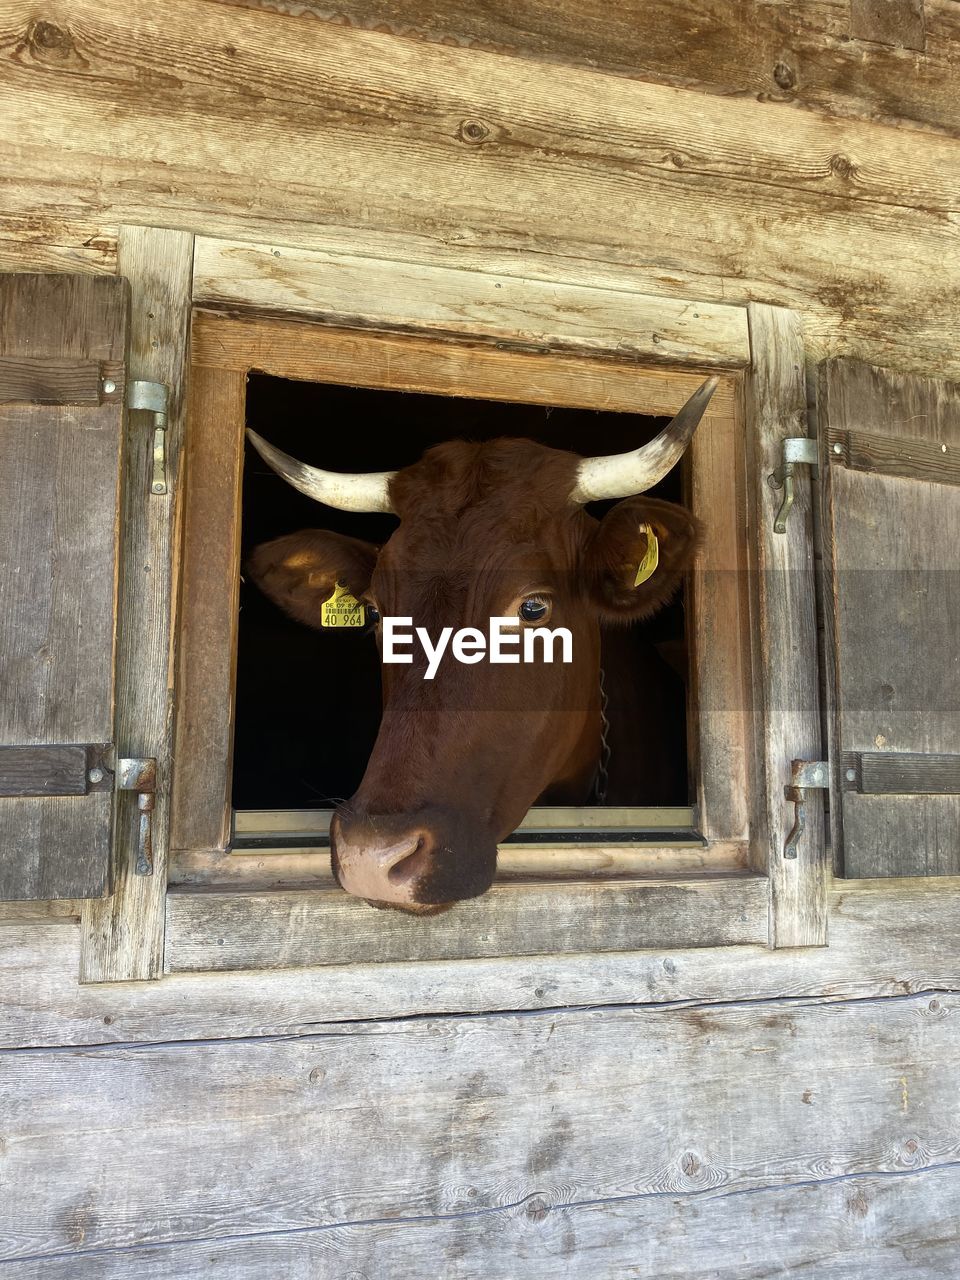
x=365, y=136
x=209, y=599
x=370, y=1121
x=123, y=938
x=895, y=22
x=43, y=770
x=408, y=362
x=785, y=624
x=883, y=941
x=35, y=242
x=59, y=496
x=358, y=291
x=892, y=772
x=892, y=456
x=720, y=698
x=904, y=1225
x=49, y=381
x=230, y=930
x=813, y=55
x=892, y=550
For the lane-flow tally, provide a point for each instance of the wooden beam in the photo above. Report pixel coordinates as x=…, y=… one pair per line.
x=788, y=725
x=824, y=55
x=884, y=940
x=210, y=930
x=367, y=1126
x=123, y=935
x=382, y=294
x=353, y=138
x=408, y=362
x=865, y=1224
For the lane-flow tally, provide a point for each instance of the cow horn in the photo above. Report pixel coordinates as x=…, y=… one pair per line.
x=620, y=475
x=358, y=491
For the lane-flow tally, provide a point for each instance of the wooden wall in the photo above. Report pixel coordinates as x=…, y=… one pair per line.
x=712, y=1113
x=836, y=197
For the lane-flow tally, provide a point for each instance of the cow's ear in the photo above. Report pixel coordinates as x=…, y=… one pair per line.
x=620, y=544
x=299, y=571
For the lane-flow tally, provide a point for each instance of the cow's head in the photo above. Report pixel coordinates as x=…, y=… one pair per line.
x=486, y=530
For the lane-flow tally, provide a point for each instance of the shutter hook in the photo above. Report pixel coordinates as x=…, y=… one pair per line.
x=154, y=397
x=796, y=449
x=140, y=775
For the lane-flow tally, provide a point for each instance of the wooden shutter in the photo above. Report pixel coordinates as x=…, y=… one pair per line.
x=62, y=344
x=890, y=476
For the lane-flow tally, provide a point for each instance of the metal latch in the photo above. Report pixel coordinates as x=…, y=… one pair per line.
x=154, y=397
x=796, y=449
x=140, y=775
x=805, y=775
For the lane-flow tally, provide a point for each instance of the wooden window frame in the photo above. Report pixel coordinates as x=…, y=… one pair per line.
x=312, y=316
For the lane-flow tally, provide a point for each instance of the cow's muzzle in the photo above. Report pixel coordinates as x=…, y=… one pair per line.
x=399, y=862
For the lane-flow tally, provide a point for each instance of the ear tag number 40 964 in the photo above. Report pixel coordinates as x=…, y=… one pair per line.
x=342, y=610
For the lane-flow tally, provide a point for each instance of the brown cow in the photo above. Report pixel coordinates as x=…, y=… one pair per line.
x=486, y=530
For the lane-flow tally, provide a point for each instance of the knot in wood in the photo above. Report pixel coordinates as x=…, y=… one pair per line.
x=473, y=131
x=784, y=76
x=842, y=166
x=51, y=38
x=537, y=1209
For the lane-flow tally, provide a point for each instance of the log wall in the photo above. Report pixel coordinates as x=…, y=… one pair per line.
x=723, y=1112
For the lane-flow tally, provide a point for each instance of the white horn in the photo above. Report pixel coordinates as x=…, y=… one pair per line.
x=358, y=491
x=621, y=475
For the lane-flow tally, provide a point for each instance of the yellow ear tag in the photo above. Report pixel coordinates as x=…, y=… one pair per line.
x=651, y=558
x=342, y=610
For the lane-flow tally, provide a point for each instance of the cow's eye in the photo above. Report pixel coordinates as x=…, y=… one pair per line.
x=534, y=609
x=373, y=614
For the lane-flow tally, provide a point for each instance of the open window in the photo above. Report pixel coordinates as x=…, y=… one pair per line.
x=746, y=623
x=252, y=799
x=308, y=701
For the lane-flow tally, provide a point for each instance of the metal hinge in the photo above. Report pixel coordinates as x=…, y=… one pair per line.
x=796, y=449
x=154, y=397
x=140, y=775
x=805, y=775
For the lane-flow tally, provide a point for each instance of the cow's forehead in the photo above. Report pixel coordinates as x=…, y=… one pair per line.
x=515, y=483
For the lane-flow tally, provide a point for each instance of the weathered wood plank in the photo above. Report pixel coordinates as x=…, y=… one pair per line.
x=343, y=289
x=889, y=456
x=46, y=380
x=720, y=698
x=847, y=221
x=788, y=725
x=43, y=771
x=59, y=493
x=813, y=54
x=892, y=551
x=895, y=22
x=210, y=930
x=905, y=1227
x=893, y=772
x=408, y=362
x=123, y=937
x=210, y=584
x=111, y=1147
x=34, y=242
x=881, y=943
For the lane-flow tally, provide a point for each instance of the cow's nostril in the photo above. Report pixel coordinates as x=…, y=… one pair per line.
x=412, y=865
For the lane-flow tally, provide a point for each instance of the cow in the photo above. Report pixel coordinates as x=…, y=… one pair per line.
x=486, y=530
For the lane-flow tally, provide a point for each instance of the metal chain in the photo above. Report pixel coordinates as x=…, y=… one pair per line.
x=602, y=779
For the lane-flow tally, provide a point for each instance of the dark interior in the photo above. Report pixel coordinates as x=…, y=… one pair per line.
x=308, y=702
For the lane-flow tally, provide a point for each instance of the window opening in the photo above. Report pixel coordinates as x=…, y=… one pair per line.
x=308, y=701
